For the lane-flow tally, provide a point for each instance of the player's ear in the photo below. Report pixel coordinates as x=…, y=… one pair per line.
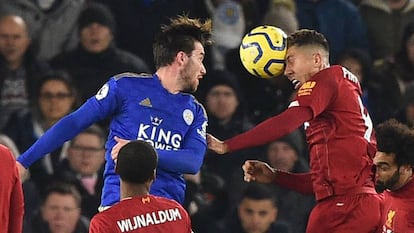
x=405, y=168
x=154, y=175
x=181, y=57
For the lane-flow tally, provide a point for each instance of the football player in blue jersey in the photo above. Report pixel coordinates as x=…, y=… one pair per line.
x=155, y=108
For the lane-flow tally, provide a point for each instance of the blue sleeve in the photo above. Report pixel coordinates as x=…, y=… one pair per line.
x=189, y=158
x=95, y=109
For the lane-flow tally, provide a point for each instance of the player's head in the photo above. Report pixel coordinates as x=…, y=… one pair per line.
x=307, y=54
x=182, y=42
x=257, y=209
x=394, y=159
x=136, y=162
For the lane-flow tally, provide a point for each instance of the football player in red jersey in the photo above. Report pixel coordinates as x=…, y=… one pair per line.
x=11, y=194
x=394, y=162
x=339, y=133
x=138, y=211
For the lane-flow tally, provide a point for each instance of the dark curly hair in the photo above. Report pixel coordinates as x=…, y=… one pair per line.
x=396, y=137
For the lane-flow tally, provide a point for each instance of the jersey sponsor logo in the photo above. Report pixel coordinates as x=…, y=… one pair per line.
x=148, y=219
x=306, y=88
x=146, y=102
x=158, y=137
x=188, y=116
x=146, y=200
x=203, y=131
x=103, y=92
x=390, y=218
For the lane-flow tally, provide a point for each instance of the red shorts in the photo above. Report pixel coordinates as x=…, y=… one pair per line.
x=356, y=213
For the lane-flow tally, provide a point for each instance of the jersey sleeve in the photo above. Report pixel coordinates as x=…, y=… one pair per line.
x=97, y=225
x=16, y=208
x=270, y=129
x=299, y=182
x=94, y=109
x=189, y=158
x=319, y=92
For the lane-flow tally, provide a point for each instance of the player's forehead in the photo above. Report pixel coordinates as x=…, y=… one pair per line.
x=384, y=158
x=198, y=49
x=295, y=51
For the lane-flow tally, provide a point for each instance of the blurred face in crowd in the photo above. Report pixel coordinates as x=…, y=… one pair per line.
x=409, y=114
x=410, y=48
x=14, y=40
x=354, y=66
x=62, y=213
x=256, y=216
x=96, y=37
x=281, y=156
x=192, y=68
x=86, y=154
x=222, y=102
x=55, y=100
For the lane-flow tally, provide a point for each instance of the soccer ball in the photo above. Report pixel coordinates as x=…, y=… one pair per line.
x=263, y=51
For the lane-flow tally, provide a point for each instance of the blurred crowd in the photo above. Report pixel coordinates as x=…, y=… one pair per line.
x=55, y=54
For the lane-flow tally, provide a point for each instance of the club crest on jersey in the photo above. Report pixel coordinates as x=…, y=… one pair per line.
x=188, y=116
x=103, y=92
x=306, y=88
x=156, y=121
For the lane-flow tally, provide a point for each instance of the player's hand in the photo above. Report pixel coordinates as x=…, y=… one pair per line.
x=119, y=144
x=216, y=145
x=255, y=170
x=22, y=171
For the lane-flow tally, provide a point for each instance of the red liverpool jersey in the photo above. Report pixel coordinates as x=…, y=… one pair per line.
x=143, y=214
x=340, y=134
x=11, y=194
x=398, y=210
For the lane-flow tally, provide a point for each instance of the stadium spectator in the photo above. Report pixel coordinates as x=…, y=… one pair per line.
x=96, y=57
x=385, y=22
x=52, y=24
x=19, y=69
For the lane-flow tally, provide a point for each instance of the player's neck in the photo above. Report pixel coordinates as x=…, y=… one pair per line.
x=131, y=190
x=168, y=78
x=404, y=179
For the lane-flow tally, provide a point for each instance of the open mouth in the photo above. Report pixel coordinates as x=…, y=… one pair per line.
x=295, y=83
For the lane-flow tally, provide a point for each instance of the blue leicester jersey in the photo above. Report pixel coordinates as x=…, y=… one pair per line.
x=140, y=108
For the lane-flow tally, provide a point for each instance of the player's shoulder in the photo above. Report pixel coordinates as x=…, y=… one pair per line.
x=6, y=154
x=131, y=75
x=334, y=70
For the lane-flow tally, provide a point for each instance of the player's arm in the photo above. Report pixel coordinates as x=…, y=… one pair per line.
x=299, y=182
x=71, y=125
x=98, y=224
x=189, y=158
x=270, y=129
x=259, y=171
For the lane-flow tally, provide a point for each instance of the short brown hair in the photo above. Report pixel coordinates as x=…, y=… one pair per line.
x=180, y=35
x=305, y=37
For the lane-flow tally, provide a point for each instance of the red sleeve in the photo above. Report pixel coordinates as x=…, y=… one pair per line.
x=299, y=182
x=16, y=205
x=271, y=129
x=95, y=225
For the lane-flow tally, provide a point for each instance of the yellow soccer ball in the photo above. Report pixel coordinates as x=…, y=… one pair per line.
x=263, y=51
